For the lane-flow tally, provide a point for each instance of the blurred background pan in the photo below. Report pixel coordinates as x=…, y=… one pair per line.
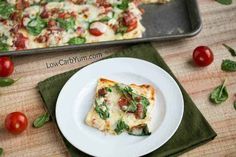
x=175, y=20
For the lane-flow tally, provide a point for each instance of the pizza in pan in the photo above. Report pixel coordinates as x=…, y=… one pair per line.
x=28, y=24
x=121, y=108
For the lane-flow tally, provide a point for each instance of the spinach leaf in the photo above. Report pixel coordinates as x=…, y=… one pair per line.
x=41, y=120
x=102, y=110
x=4, y=81
x=139, y=130
x=121, y=126
x=36, y=25
x=219, y=94
x=76, y=41
x=231, y=50
x=3, y=46
x=66, y=24
x=122, y=29
x=6, y=10
x=124, y=5
x=108, y=89
x=228, y=65
x=225, y=2
x=1, y=151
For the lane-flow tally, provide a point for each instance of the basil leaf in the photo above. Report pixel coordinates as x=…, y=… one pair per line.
x=124, y=5
x=121, y=126
x=4, y=82
x=6, y=10
x=108, y=89
x=41, y=120
x=102, y=110
x=231, y=50
x=224, y=2
x=3, y=46
x=219, y=94
x=1, y=151
x=76, y=41
x=66, y=24
x=36, y=25
x=139, y=130
x=228, y=65
x=235, y=105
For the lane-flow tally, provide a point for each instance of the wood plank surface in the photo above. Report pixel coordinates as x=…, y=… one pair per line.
x=219, y=26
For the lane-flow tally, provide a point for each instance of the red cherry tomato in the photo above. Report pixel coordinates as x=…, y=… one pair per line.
x=139, y=114
x=16, y=122
x=203, y=56
x=6, y=66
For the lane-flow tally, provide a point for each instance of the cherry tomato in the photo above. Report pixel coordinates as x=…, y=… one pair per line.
x=203, y=56
x=130, y=21
x=6, y=66
x=97, y=28
x=16, y=122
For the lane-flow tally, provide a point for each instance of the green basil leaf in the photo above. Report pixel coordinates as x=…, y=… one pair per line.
x=4, y=81
x=230, y=49
x=225, y=2
x=66, y=24
x=41, y=120
x=219, y=94
x=1, y=151
x=36, y=25
x=140, y=130
x=6, y=10
x=76, y=41
x=121, y=126
x=124, y=5
x=235, y=105
x=228, y=65
x=102, y=110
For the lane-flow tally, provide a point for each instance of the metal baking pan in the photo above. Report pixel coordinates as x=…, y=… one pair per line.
x=177, y=19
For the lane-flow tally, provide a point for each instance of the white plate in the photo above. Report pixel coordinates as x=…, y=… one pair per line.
x=77, y=95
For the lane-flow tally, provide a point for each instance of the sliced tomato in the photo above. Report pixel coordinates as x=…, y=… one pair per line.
x=130, y=21
x=102, y=92
x=97, y=28
x=20, y=41
x=95, y=31
x=64, y=15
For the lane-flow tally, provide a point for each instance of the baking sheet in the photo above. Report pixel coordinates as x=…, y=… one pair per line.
x=177, y=19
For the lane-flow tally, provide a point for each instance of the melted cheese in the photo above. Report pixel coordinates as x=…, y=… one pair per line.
x=115, y=112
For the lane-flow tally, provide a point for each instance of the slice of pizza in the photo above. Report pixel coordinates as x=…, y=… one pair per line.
x=118, y=107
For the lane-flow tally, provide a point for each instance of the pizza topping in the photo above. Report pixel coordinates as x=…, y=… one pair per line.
x=66, y=24
x=140, y=130
x=97, y=28
x=102, y=110
x=76, y=41
x=36, y=25
x=132, y=102
x=121, y=126
x=20, y=42
x=5, y=10
x=22, y=4
x=42, y=38
x=130, y=21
